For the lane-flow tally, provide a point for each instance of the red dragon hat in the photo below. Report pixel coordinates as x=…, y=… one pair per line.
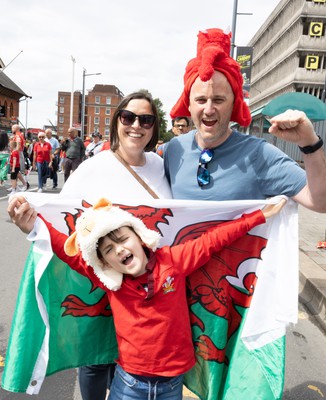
x=213, y=54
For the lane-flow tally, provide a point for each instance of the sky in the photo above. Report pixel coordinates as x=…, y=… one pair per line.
x=135, y=45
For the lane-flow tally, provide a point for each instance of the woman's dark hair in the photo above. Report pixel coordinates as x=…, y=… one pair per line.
x=114, y=137
x=4, y=140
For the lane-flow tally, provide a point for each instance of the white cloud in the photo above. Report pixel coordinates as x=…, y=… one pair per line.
x=143, y=44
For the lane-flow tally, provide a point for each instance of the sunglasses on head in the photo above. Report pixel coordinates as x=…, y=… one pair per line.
x=203, y=175
x=127, y=118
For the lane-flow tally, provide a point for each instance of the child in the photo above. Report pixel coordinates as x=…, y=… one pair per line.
x=14, y=166
x=146, y=289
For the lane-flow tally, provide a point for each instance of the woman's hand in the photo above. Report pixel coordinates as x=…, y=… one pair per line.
x=21, y=213
x=272, y=209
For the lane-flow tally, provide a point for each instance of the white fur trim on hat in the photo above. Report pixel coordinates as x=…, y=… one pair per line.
x=95, y=223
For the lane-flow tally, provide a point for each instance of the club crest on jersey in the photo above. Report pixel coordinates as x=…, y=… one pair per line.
x=168, y=285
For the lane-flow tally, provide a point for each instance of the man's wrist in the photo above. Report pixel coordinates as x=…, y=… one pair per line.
x=313, y=148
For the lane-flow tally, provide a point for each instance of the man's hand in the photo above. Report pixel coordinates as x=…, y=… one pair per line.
x=294, y=126
x=21, y=213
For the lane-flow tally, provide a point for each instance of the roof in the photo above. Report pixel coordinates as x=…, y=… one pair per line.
x=7, y=86
x=104, y=89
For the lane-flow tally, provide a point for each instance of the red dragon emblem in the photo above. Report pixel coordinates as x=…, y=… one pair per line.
x=210, y=286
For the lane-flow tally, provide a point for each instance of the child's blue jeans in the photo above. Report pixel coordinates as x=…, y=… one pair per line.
x=126, y=387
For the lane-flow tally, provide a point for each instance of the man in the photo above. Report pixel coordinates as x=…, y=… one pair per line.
x=214, y=162
x=95, y=146
x=56, y=156
x=237, y=166
x=180, y=126
x=20, y=140
x=74, y=153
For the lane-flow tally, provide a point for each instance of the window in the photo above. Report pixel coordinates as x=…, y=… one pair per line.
x=61, y=110
x=96, y=120
x=107, y=121
x=97, y=110
x=108, y=111
x=97, y=100
x=108, y=99
x=61, y=100
x=61, y=120
x=107, y=132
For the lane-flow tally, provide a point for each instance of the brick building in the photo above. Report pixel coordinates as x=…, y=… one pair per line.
x=100, y=105
x=63, y=112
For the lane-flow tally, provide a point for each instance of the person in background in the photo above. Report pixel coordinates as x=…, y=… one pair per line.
x=42, y=159
x=74, y=153
x=14, y=166
x=180, y=126
x=95, y=146
x=55, y=145
x=20, y=139
x=87, y=141
x=4, y=157
x=106, y=145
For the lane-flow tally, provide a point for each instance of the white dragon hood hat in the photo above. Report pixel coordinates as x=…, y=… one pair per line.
x=98, y=221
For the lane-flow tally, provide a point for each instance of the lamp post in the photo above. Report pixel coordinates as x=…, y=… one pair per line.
x=83, y=103
x=234, y=24
x=26, y=112
x=72, y=91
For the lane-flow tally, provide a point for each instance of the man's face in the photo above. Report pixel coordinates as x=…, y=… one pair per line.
x=127, y=255
x=210, y=106
x=71, y=133
x=180, y=127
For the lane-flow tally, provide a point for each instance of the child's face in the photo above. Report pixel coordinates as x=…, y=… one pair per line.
x=128, y=256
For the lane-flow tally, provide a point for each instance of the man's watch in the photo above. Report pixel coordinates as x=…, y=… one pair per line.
x=313, y=148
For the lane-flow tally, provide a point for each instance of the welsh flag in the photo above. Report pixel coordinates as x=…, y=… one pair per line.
x=240, y=302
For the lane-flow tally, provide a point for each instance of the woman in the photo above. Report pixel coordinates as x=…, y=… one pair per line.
x=95, y=146
x=4, y=157
x=42, y=159
x=134, y=133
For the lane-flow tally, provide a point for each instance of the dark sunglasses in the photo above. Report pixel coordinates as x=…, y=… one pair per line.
x=127, y=118
x=203, y=175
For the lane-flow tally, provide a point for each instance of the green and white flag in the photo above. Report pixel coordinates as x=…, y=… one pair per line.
x=240, y=302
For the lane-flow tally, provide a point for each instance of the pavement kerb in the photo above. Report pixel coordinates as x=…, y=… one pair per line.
x=312, y=288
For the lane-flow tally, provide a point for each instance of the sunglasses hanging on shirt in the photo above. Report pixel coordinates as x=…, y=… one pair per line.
x=203, y=175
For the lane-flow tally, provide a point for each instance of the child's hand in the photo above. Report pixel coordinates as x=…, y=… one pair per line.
x=21, y=213
x=272, y=209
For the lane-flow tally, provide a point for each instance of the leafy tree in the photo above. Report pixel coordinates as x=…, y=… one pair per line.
x=164, y=134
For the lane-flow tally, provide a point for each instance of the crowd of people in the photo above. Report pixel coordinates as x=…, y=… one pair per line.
x=211, y=162
x=47, y=155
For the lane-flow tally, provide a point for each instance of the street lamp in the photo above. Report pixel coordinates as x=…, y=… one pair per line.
x=83, y=103
x=234, y=23
x=72, y=91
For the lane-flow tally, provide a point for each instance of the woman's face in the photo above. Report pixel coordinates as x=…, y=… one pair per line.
x=133, y=138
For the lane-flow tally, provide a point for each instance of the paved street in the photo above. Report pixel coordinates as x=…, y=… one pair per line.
x=306, y=345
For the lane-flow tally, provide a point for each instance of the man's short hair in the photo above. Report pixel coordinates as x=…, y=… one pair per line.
x=176, y=119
